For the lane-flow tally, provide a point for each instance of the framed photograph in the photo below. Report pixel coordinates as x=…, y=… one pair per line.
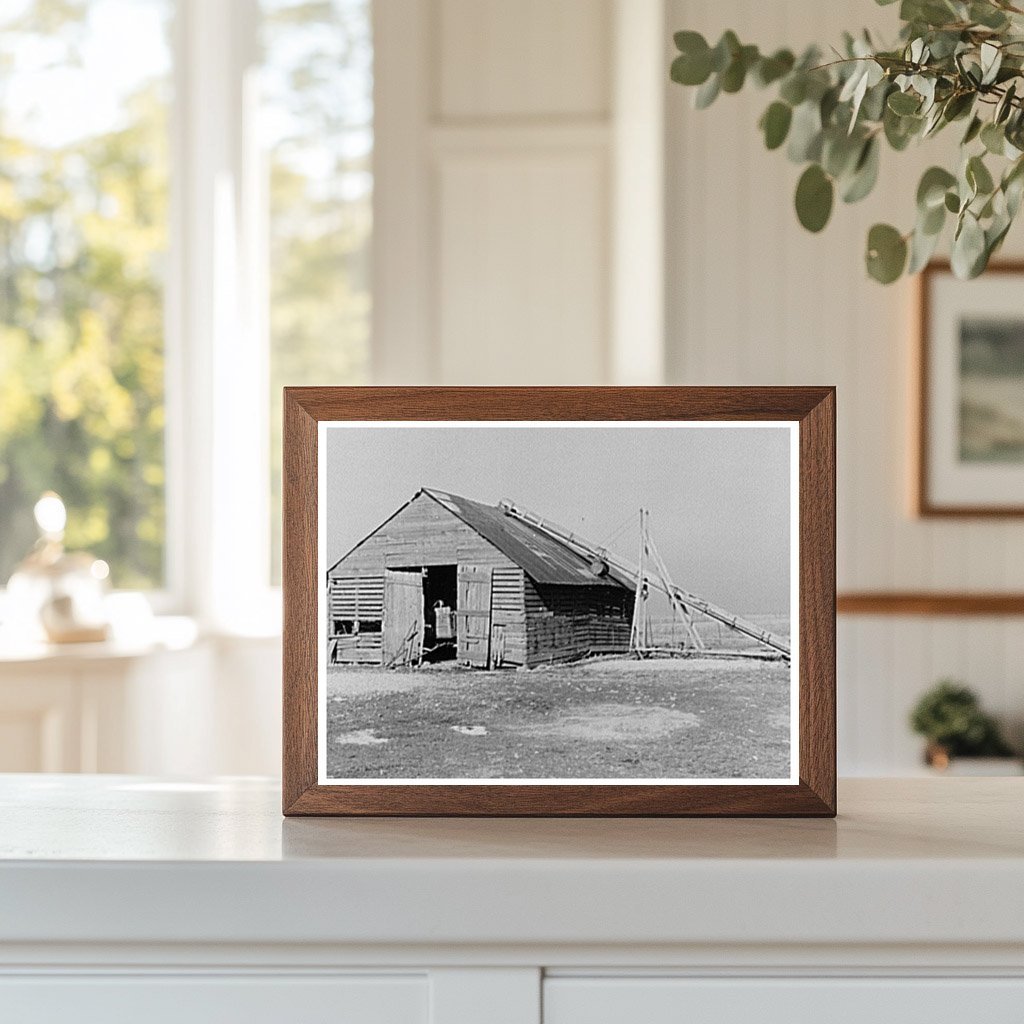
x=559, y=601
x=970, y=450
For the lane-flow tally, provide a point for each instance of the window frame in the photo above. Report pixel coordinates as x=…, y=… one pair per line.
x=217, y=349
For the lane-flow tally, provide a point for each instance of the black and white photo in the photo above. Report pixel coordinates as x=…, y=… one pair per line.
x=544, y=602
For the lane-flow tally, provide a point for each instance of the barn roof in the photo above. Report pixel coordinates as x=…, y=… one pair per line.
x=543, y=558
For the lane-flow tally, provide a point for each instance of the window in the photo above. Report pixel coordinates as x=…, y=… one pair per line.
x=83, y=235
x=202, y=165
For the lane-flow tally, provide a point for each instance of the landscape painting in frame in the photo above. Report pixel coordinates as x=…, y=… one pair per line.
x=557, y=602
x=972, y=393
x=992, y=389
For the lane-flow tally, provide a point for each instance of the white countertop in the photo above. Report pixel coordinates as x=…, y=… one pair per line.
x=123, y=859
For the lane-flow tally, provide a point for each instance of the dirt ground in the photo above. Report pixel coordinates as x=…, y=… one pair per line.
x=608, y=718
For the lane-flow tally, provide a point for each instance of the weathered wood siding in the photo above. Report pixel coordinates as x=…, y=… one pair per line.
x=563, y=623
x=356, y=599
x=357, y=648
x=508, y=616
x=421, y=533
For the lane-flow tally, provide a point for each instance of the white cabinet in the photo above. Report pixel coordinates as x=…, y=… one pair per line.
x=828, y=1000
x=129, y=899
x=202, y=999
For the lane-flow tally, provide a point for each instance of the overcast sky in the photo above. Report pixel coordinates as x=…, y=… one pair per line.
x=718, y=497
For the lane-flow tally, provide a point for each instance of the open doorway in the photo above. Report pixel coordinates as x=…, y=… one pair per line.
x=440, y=597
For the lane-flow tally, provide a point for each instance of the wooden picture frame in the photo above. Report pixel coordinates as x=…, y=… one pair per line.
x=810, y=414
x=940, y=489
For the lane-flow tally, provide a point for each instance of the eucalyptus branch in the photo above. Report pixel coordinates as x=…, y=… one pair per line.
x=954, y=60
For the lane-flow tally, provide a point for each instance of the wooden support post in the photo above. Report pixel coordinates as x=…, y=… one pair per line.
x=639, y=638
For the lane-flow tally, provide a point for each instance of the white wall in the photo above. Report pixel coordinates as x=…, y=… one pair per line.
x=497, y=198
x=506, y=145
x=754, y=299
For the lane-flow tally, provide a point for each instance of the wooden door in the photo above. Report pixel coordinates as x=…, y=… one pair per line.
x=403, y=617
x=473, y=614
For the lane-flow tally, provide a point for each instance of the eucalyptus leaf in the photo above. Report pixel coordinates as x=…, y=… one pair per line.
x=1014, y=192
x=925, y=87
x=873, y=106
x=968, y=248
x=987, y=15
x=930, y=12
x=805, y=133
x=794, y=88
x=973, y=130
x=867, y=74
x=944, y=44
x=933, y=122
x=775, y=122
x=932, y=221
x=904, y=103
x=735, y=74
x=865, y=173
x=689, y=42
x=931, y=190
x=707, y=93
x=958, y=105
x=1005, y=105
x=991, y=60
x=978, y=176
x=840, y=152
x=688, y=69
x=771, y=69
x=900, y=130
x=724, y=51
x=886, y=253
x=993, y=138
x=1013, y=187
x=966, y=187
x=814, y=195
x=922, y=247
x=827, y=106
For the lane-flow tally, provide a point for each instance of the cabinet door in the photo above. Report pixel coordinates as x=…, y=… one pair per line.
x=205, y=999
x=783, y=1001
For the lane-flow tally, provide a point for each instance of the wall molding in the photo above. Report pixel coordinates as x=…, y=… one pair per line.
x=917, y=603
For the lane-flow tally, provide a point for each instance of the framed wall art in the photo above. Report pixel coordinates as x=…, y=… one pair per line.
x=559, y=601
x=970, y=444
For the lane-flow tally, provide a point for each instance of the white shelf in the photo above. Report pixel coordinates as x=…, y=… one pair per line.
x=121, y=859
x=128, y=897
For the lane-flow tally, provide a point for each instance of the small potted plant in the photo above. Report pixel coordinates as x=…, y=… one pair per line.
x=950, y=718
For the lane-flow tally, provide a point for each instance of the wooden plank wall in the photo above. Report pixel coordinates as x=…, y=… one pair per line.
x=508, y=616
x=568, y=622
x=422, y=533
x=356, y=598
